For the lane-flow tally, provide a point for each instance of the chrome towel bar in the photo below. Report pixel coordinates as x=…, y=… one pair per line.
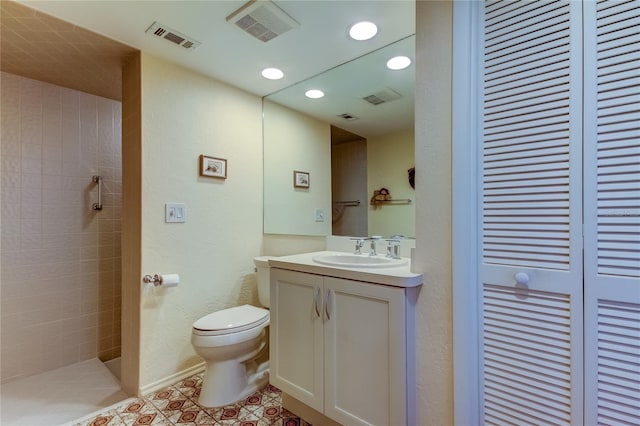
x=348, y=203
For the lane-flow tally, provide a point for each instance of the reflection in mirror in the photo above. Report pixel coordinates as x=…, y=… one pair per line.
x=354, y=141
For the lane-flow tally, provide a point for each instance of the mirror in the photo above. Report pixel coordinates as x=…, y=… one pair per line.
x=355, y=140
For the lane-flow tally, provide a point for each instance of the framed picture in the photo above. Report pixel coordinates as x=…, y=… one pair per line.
x=213, y=167
x=300, y=179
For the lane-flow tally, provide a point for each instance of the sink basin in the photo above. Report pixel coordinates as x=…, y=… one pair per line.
x=347, y=260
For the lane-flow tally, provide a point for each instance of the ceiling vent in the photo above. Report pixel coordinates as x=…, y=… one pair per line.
x=348, y=117
x=262, y=19
x=382, y=96
x=173, y=36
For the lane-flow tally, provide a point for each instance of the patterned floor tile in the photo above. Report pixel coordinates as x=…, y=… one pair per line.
x=162, y=398
x=268, y=414
x=254, y=400
x=108, y=418
x=178, y=405
x=185, y=411
x=141, y=412
x=190, y=386
x=272, y=392
x=233, y=415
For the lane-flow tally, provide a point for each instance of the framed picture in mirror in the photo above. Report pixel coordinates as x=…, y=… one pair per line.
x=300, y=179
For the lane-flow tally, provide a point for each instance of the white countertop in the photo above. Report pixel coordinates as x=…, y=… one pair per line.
x=397, y=276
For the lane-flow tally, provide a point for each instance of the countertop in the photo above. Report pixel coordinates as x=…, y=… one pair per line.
x=397, y=276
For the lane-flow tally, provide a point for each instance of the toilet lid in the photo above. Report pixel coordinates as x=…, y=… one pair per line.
x=231, y=320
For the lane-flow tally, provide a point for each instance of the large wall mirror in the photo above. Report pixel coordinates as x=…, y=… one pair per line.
x=329, y=161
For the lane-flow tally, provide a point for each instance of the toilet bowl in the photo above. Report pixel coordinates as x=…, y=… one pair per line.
x=231, y=341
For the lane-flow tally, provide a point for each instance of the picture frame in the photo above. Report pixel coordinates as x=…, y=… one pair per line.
x=300, y=179
x=213, y=167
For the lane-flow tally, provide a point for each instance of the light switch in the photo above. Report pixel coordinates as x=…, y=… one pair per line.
x=319, y=213
x=175, y=212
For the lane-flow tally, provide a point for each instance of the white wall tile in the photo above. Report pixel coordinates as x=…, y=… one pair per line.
x=10, y=163
x=11, y=181
x=32, y=165
x=60, y=259
x=31, y=195
x=10, y=211
x=30, y=125
x=30, y=181
x=10, y=145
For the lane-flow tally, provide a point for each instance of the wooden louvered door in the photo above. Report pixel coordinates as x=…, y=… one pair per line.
x=612, y=212
x=531, y=244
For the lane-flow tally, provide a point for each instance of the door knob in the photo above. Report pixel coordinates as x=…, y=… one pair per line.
x=521, y=278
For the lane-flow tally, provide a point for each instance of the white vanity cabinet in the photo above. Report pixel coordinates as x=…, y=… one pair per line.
x=343, y=347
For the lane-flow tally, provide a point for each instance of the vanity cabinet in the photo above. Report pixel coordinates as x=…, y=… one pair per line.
x=343, y=347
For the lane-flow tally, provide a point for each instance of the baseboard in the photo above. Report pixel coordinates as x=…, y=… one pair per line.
x=305, y=412
x=172, y=379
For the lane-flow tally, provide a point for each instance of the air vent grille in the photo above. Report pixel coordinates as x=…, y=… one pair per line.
x=348, y=117
x=382, y=96
x=173, y=36
x=262, y=19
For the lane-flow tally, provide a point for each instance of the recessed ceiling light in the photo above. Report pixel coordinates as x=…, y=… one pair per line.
x=363, y=30
x=314, y=93
x=398, y=63
x=272, y=73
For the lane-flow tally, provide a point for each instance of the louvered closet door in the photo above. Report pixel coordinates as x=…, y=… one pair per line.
x=612, y=212
x=531, y=269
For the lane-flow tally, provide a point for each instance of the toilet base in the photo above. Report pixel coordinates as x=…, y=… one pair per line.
x=227, y=382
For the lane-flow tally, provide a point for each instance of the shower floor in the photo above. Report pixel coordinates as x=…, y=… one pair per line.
x=59, y=396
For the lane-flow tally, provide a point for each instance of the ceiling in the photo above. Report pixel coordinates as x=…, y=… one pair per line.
x=227, y=53
x=38, y=46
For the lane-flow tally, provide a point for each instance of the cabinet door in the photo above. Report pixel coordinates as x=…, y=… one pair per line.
x=530, y=271
x=296, y=336
x=365, y=353
x=612, y=213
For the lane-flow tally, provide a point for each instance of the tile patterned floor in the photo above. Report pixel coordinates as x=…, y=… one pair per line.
x=178, y=405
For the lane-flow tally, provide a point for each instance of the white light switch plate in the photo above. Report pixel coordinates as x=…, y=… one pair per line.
x=175, y=212
x=319, y=213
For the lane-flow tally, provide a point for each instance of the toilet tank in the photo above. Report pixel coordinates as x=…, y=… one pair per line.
x=262, y=268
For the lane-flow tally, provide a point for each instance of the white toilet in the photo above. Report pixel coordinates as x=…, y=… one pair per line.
x=230, y=341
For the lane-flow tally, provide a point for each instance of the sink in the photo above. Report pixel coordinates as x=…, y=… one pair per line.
x=348, y=260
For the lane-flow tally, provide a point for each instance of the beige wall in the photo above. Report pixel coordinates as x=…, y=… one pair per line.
x=294, y=141
x=433, y=210
x=185, y=114
x=60, y=266
x=389, y=158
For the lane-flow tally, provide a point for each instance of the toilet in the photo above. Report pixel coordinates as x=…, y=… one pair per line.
x=232, y=341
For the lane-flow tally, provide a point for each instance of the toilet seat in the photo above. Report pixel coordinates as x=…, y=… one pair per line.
x=231, y=320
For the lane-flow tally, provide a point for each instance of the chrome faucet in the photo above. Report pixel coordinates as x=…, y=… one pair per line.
x=393, y=249
x=359, y=244
x=372, y=251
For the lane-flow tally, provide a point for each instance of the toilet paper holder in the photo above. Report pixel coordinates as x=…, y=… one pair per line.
x=164, y=280
x=155, y=279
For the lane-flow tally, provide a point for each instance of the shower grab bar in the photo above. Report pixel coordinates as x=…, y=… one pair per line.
x=348, y=203
x=97, y=179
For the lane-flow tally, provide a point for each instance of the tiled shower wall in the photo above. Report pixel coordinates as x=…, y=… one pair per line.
x=60, y=260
